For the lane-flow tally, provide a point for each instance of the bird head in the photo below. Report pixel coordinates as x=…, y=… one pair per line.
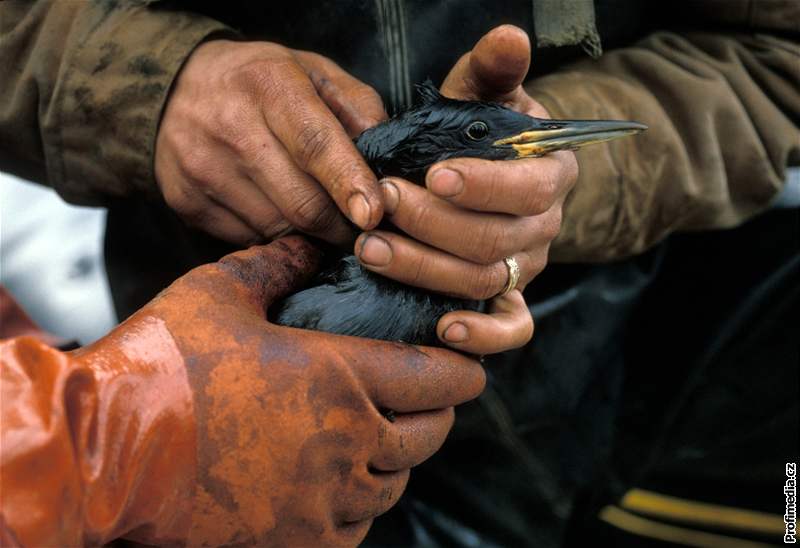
x=438, y=128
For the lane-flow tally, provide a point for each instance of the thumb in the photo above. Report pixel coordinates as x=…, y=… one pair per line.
x=267, y=273
x=495, y=67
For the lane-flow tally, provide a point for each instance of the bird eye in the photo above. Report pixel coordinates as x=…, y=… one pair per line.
x=477, y=131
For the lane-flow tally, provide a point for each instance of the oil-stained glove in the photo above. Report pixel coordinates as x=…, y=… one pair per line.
x=196, y=421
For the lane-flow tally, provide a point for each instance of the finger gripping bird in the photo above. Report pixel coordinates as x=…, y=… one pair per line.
x=346, y=298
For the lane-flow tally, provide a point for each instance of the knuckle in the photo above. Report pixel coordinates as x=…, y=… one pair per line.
x=343, y=175
x=418, y=211
x=552, y=226
x=494, y=244
x=548, y=185
x=231, y=125
x=414, y=214
x=419, y=270
x=365, y=92
x=312, y=141
x=258, y=75
x=540, y=195
x=174, y=198
x=480, y=382
x=193, y=163
x=204, y=271
x=269, y=224
x=392, y=494
x=484, y=181
x=450, y=418
x=265, y=228
x=255, y=73
x=245, y=148
x=496, y=179
x=265, y=79
x=170, y=139
x=325, y=87
x=366, y=97
x=522, y=333
x=313, y=213
x=529, y=328
x=571, y=169
x=228, y=117
x=532, y=202
x=537, y=263
x=486, y=282
x=182, y=203
x=275, y=230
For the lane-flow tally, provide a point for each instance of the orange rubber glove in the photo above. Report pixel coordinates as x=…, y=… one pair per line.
x=196, y=421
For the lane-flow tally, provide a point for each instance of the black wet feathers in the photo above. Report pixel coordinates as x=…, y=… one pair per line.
x=348, y=299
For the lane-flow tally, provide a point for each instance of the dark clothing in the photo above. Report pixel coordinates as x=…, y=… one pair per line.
x=675, y=371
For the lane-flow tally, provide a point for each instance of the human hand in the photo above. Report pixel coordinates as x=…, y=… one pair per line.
x=477, y=212
x=256, y=140
x=293, y=445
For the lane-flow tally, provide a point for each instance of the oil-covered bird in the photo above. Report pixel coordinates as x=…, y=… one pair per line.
x=346, y=298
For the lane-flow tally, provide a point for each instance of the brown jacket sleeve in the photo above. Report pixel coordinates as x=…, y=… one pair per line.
x=723, y=111
x=92, y=452
x=82, y=88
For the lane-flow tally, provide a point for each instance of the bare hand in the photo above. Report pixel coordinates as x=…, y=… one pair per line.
x=256, y=140
x=478, y=211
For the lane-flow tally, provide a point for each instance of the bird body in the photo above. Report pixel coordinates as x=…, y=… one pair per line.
x=346, y=298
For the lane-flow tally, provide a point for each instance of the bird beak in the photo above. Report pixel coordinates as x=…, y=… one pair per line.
x=567, y=135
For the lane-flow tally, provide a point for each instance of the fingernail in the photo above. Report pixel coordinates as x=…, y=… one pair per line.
x=391, y=196
x=456, y=332
x=446, y=182
x=375, y=251
x=359, y=209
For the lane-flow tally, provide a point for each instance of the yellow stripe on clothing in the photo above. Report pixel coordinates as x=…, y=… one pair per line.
x=689, y=511
x=671, y=533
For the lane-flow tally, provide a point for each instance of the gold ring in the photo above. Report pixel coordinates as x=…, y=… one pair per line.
x=513, y=276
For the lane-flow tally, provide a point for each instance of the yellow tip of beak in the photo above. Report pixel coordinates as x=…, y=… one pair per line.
x=569, y=135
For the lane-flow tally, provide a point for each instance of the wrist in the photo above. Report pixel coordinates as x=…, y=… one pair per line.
x=135, y=435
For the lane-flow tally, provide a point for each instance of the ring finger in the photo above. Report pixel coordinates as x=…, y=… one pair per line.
x=417, y=264
x=240, y=194
x=202, y=211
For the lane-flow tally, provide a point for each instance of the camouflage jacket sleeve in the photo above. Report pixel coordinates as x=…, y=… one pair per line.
x=723, y=110
x=82, y=88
